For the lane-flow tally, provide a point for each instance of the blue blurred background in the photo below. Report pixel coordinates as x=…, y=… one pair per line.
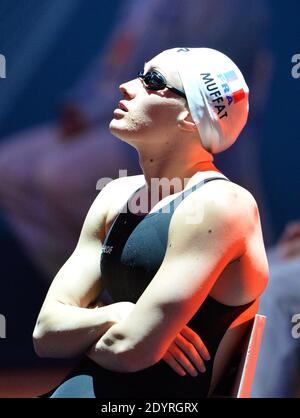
x=47, y=46
x=50, y=46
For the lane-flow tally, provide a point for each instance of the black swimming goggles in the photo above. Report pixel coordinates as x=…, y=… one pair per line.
x=154, y=80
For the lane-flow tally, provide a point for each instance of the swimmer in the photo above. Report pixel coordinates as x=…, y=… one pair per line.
x=178, y=250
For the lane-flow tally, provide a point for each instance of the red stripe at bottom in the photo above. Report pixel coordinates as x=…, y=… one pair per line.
x=238, y=95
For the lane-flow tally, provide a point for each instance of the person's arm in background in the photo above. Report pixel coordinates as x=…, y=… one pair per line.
x=66, y=326
x=289, y=242
x=284, y=253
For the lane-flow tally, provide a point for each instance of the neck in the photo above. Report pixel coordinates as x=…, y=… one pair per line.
x=174, y=167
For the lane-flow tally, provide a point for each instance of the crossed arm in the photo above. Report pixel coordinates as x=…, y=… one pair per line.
x=196, y=255
x=118, y=336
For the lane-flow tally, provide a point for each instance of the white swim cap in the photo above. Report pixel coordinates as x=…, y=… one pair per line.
x=217, y=95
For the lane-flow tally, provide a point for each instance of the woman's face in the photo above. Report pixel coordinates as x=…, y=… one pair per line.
x=142, y=113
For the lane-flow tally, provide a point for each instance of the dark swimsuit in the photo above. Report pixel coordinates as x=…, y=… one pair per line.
x=132, y=253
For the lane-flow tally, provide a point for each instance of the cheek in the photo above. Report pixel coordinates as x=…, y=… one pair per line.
x=150, y=118
x=144, y=117
x=164, y=113
x=137, y=121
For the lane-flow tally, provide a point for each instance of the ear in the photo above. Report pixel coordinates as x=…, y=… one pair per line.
x=185, y=122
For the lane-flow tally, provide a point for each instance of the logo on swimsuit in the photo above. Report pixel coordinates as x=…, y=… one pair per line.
x=296, y=328
x=107, y=249
x=296, y=68
x=2, y=66
x=2, y=326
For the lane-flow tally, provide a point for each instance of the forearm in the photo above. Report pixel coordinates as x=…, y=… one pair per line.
x=115, y=352
x=67, y=331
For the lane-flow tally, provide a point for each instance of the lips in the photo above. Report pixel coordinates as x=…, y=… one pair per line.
x=123, y=107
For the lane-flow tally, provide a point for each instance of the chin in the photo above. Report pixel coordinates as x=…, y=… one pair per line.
x=119, y=132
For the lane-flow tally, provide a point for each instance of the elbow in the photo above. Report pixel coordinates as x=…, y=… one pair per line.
x=42, y=337
x=38, y=340
x=39, y=348
x=46, y=344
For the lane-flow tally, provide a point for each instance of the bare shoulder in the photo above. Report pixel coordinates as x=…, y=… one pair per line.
x=223, y=227
x=228, y=192
x=237, y=212
x=230, y=201
x=106, y=205
x=220, y=201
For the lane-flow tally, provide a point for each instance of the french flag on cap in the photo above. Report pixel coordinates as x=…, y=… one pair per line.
x=231, y=78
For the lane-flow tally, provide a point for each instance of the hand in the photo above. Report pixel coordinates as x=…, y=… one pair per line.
x=289, y=242
x=117, y=312
x=120, y=310
x=187, y=349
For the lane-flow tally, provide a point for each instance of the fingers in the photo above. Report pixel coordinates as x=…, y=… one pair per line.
x=182, y=359
x=196, y=341
x=170, y=360
x=190, y=354
x=186, y=353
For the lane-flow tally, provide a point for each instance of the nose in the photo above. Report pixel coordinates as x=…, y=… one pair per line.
x=129, y=89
